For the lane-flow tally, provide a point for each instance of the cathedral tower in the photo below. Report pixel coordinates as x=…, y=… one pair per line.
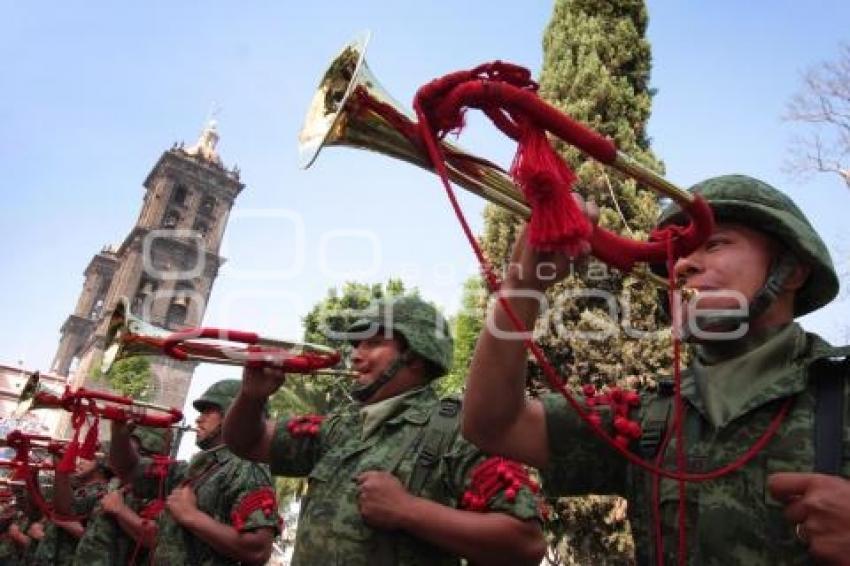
x=165, y=266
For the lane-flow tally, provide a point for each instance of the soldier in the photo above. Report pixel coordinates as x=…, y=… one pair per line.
x=105, y=542
x=747, y=364
x=61, y=535
x=219, y=510
x=390, y=481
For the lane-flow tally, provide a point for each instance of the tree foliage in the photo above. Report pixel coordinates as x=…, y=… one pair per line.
x=466, y=326
x=822, y=110
x=131, y=377
x=596, y=68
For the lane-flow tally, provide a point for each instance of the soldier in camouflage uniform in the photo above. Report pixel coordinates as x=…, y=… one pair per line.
x=105, y=543
x=370, y=498
x=220, y=510
x=62, y=535
x=758, y=362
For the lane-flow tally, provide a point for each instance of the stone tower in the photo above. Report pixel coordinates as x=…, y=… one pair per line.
x=165, y=266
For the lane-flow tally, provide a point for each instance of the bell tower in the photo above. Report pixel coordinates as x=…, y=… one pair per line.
x=165, y=266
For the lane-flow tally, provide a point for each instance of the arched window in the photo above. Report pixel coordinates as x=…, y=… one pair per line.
x=207, y=206
x=179, y=195
x=177, y=312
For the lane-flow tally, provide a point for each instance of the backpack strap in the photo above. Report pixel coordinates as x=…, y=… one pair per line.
x=655, y=420
x=436, y=438
x=829, y=390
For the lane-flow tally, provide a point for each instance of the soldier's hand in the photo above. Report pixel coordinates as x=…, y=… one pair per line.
x=818, y=508
x=538, y=270
x=260, y=383
x=382, y=500
x=181, y=503
x=112, y=502
x=36, y=531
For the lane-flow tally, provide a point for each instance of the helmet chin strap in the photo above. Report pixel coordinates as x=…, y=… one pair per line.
x=211, y=440
x=724, y=321
x=363, y=393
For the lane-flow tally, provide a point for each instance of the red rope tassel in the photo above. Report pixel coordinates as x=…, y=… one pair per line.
x=557, y=223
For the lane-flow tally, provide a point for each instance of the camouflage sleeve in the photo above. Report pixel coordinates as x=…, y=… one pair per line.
x=488, y=484
x=254, y=499
x=297, y=444
x=579, y=461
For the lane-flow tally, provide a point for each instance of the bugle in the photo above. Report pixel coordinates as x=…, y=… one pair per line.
x=128, y=335
x=350, y=108
x=36, y=395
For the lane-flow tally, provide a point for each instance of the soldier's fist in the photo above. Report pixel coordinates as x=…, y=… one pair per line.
x=818, y=508
x=260, y=383
x=382, y=500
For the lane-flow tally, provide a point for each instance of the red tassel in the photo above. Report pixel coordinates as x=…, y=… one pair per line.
x=68, y=464
x=88, y=451
x=307, y=425
x=557, y=223
x=492, y=476
x=262, y=499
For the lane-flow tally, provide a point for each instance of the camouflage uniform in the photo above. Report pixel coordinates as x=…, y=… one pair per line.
x=330, y=527
x=105, y=543
x=227, y=489
x=221, y=482
x=8, y=549
x=728, y=405
x=58, y=545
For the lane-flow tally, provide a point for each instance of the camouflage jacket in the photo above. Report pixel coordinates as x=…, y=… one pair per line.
x=58, y=545
x=225, y=487
x=729, y=520
x=105, y=543
x=330, y=527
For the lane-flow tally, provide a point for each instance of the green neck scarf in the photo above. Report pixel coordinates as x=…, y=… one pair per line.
x=731, y=378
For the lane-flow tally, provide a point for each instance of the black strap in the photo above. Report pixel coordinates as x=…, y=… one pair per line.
x=438, y=434
x=655, y=420
x=829, y=417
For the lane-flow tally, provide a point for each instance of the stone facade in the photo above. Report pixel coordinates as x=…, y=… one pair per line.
x=165, y=266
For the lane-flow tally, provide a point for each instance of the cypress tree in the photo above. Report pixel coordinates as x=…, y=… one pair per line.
x=596, y=68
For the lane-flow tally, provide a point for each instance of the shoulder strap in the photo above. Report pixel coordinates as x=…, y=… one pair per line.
x=829, y=416
x=438, y=434
x=655, y=419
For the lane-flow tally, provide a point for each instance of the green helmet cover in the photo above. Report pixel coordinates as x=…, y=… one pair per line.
x=422, y=326
x=220, y=394
x=754, y=203
x=152, y=440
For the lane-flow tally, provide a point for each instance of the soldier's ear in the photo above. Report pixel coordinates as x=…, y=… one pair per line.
x=798, y=277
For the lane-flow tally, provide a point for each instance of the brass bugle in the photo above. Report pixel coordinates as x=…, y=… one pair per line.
x=128, y=336
x=36, y=395
x=351, y=108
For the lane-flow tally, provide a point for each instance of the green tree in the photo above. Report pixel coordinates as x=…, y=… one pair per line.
x=466, y=326
x=596, y=68
x=131, y=377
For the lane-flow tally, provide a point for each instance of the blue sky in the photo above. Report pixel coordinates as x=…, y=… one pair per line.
x=93, y=92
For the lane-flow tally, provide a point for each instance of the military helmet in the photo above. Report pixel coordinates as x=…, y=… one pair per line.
x=152, y=440
x=754, y=203
x=220, y=394
x=422, y=326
